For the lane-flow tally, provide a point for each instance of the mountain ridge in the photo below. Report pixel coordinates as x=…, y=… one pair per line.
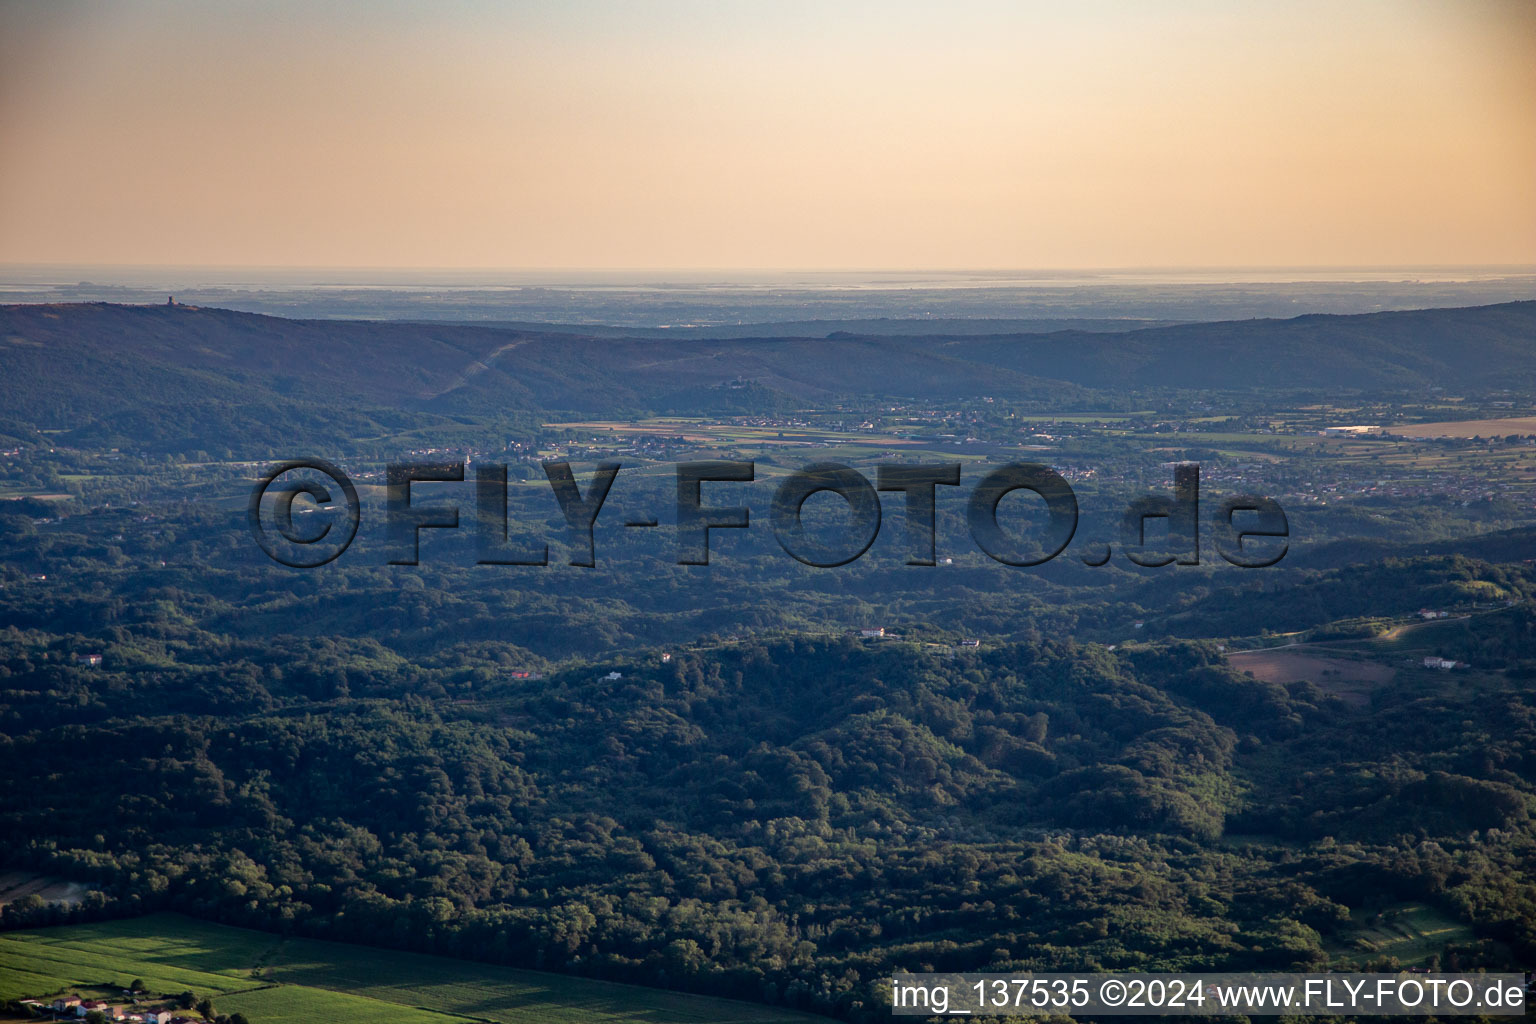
x=116, y=369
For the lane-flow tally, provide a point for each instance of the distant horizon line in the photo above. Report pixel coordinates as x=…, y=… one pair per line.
x=488, y=268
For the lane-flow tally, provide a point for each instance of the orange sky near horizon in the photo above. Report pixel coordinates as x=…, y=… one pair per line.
x=799, y=135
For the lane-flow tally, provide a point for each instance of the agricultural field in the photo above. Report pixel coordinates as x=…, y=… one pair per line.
x=304, y=981
x=1350, y=679
x=1469, y=428
x=312, y=1006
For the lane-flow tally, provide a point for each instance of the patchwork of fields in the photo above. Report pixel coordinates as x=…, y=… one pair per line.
x=304, y=981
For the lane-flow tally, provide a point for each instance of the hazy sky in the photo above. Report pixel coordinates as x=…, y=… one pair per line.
x=777, y=134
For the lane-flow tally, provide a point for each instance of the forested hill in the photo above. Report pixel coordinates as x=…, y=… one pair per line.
x=1476, y=346
x=155, y=372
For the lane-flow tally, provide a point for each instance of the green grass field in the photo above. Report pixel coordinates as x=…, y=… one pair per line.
x=269, y=978
x=1410, y=638
x=317, y=1006
x=1411, y=932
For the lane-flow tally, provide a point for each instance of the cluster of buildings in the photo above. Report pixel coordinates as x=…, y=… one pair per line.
x=77, y=1006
